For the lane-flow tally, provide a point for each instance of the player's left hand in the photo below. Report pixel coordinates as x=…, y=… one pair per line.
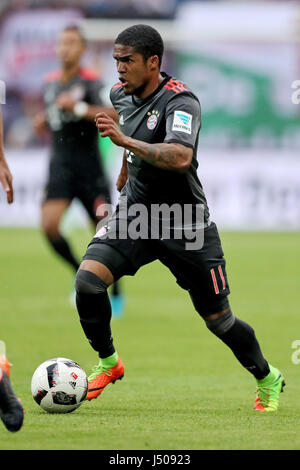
x=109, y=128
x=65, y=101
x=6, y=181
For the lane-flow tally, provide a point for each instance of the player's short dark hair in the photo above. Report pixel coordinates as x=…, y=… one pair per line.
x=144, y=39
x=76, y=29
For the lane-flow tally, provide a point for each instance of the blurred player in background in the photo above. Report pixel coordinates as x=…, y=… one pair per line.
x=72, y=99
x=159, y=121
x=11, y=410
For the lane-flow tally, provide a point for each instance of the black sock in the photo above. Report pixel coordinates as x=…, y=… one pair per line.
x=61, y=246
x=95, y=315
x=241, y=339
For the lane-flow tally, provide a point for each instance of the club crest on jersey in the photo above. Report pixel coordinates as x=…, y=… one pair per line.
x=152, y=119
x=182, y=122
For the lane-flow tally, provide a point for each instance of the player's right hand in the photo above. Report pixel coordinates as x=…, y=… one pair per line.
x=107, y=127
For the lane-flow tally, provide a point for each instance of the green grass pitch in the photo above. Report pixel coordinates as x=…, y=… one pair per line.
x=182, y=389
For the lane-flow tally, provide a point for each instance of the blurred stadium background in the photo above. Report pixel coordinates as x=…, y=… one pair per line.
x=241, y=58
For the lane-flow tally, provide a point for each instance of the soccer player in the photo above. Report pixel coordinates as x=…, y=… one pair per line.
x=159, y=119
x=72, y=99
x=11, y=410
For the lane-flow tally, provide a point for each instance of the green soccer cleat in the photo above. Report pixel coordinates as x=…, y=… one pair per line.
x=268, y=391
x=103, y=376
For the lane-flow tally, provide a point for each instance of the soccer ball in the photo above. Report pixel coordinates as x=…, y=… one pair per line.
x=59, y=385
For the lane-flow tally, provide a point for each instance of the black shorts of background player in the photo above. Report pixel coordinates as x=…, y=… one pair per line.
x=160, y=120
x=73, y=96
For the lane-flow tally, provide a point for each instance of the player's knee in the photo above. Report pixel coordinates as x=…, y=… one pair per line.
x=87, y=282
x=50, y=229
x=221, y=324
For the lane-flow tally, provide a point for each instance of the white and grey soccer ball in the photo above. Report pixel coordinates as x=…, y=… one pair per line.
x=59, y=385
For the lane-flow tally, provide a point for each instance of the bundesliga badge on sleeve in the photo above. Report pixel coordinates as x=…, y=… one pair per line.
x=182, y=122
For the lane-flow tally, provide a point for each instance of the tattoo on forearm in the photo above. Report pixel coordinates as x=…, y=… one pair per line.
x=165, y=156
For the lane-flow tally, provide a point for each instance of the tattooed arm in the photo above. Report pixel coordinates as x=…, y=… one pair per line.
x=172, y=156
x=123, y=175
x=167, y=156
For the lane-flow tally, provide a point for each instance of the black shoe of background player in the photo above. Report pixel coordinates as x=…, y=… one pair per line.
x=11, y=410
